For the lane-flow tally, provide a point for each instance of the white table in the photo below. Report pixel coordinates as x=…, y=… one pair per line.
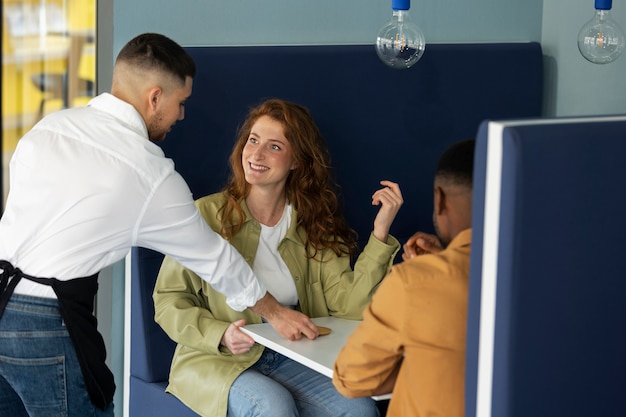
x=318, y=354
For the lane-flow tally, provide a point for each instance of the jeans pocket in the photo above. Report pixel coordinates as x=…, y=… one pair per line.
x=39, y=382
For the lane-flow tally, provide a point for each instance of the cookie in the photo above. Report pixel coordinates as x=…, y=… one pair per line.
x=323, y=330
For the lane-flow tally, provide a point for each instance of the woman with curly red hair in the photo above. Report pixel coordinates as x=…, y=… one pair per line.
x=281, y=211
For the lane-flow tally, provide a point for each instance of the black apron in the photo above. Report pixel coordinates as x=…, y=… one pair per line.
x=76, y=298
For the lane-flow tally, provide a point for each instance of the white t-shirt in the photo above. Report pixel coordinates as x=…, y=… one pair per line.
x=270, y=267
x=86, y=184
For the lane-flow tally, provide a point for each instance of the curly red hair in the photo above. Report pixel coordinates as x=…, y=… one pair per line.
x=310, y=187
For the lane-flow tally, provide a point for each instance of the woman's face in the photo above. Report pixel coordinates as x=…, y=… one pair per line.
x=267, y=158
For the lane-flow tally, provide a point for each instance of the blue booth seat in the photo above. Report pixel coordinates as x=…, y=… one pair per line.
x=380, y=123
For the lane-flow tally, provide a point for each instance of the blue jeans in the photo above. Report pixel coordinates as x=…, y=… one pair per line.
x=279, y=386
x=39, y=371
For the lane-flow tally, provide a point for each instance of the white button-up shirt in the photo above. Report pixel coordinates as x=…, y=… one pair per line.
x=86, y=184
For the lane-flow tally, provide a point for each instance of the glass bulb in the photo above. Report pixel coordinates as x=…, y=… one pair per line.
x=400, y=42
x=601, y=40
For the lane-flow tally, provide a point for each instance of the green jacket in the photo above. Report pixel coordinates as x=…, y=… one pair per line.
x=195, y=316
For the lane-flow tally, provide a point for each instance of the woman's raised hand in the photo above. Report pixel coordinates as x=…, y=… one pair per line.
x=390, y=199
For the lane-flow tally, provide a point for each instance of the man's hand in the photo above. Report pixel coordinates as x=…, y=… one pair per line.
x=235, y=340
x=290, y=324
x=419, y=244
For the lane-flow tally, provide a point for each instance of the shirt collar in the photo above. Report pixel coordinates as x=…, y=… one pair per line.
x=463, y=238
x=294, y=233
x=121, y=110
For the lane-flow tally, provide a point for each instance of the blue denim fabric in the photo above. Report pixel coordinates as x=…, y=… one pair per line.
x=39, y=371
x=279, y=386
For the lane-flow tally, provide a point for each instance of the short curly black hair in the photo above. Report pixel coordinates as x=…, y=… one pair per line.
x=457, y=163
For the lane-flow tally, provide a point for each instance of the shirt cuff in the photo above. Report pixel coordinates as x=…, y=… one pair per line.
x=247, y=297
x=381, y=251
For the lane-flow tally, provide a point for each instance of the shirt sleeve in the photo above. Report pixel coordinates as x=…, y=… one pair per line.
x=173, y=226
x=349, y=291
x=374, y=351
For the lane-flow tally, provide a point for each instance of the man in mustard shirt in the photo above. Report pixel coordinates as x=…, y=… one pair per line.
x=412, y=338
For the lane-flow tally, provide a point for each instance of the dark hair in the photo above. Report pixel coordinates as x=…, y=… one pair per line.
x=457, y=163
x=150, y=51
x=310, y=186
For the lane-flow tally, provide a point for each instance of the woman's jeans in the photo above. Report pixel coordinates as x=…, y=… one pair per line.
x=279, y=386
x=39, y=371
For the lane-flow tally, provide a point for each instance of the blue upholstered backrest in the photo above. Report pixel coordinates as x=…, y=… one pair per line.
x=548, y=245
x=379, y=123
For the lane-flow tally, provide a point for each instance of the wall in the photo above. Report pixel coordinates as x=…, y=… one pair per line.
x=237, y=22
x=574, y=86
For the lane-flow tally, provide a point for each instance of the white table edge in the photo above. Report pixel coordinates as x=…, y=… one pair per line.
x=299, y=358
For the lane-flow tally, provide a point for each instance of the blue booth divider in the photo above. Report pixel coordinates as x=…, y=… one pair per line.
x=547, y=318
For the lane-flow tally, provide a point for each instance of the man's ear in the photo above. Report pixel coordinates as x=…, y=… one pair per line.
x=154, y=96
x=440, y=200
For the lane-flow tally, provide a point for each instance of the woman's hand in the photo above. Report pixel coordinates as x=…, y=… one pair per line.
x=390, y=200
x=235, y=340
x=419, y=244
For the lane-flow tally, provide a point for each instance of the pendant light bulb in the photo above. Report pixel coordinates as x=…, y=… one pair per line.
x=601, y=40
x=400, y=42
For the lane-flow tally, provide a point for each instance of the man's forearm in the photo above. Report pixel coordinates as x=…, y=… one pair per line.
x=267, y=307
x=290, y=324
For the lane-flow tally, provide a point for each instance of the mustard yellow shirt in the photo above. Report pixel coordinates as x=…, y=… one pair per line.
x=415, y=326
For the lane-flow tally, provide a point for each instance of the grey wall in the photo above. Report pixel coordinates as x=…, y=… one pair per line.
x=246, y=22
x=574, y=86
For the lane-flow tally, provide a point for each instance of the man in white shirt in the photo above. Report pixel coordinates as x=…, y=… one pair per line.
x=86, y=185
